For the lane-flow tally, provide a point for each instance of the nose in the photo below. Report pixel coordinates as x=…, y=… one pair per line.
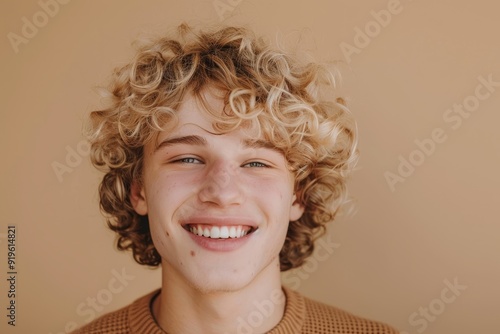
x=222, y=186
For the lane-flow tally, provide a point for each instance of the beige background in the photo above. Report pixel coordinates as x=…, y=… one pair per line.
x=392, y=254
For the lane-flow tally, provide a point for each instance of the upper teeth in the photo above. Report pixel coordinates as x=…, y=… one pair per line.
x=218, y=232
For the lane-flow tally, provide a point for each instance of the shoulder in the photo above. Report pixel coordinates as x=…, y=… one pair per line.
x=322, y=318
x=124, y=320
x=113, y=322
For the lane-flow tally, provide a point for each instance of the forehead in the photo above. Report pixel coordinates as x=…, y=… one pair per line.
x=194, y=110
x=197, y=114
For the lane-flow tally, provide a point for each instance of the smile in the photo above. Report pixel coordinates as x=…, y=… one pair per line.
x=220, y=232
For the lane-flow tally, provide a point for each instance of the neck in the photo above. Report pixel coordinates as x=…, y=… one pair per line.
x=257, y=307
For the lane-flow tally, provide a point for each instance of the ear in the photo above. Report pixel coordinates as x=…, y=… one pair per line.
x=138, y=198
x=296, y=209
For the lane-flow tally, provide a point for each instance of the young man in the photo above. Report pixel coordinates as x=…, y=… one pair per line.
x=224, y=160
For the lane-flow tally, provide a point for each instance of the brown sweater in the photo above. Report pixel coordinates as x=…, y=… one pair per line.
x=302, y=315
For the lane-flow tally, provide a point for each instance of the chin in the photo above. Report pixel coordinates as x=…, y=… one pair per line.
x=221, y=283
x=210, y=287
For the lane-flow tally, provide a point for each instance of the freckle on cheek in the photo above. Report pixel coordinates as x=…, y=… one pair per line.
x=168, y=234
x=193, y=253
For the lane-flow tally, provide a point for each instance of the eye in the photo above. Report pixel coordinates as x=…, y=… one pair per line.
x=255, y=164
x=188, y=160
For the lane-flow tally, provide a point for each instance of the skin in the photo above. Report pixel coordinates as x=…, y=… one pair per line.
x=223, y=177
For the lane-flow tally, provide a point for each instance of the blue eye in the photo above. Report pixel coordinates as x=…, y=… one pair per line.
x=255, y=164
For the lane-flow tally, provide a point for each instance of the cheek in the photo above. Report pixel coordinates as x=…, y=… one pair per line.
x=278, y=187
x=174, y=185
x=274, y=197
x=166, y=194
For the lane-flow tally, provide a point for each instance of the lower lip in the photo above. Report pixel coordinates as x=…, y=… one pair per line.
x=220, y=245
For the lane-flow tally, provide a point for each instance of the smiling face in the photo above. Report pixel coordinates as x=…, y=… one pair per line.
x=218, y=204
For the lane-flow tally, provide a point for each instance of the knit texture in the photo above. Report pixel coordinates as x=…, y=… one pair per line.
x=302, y=316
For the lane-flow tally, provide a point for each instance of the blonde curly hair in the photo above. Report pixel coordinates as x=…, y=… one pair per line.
x=292, y=104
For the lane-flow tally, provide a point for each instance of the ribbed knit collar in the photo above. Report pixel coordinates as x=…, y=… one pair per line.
x=141, y=319
x=294, y=316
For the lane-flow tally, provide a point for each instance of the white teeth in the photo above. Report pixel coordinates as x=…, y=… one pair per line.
x=224, y=232
x=219, y=232
x=232, y=232
x=215, y=232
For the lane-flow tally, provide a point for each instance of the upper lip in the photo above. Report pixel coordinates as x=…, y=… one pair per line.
x=219, y=221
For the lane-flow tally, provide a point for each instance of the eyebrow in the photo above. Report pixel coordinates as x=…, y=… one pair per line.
x=189, y=140
x=252, y=143
x=200, y=141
